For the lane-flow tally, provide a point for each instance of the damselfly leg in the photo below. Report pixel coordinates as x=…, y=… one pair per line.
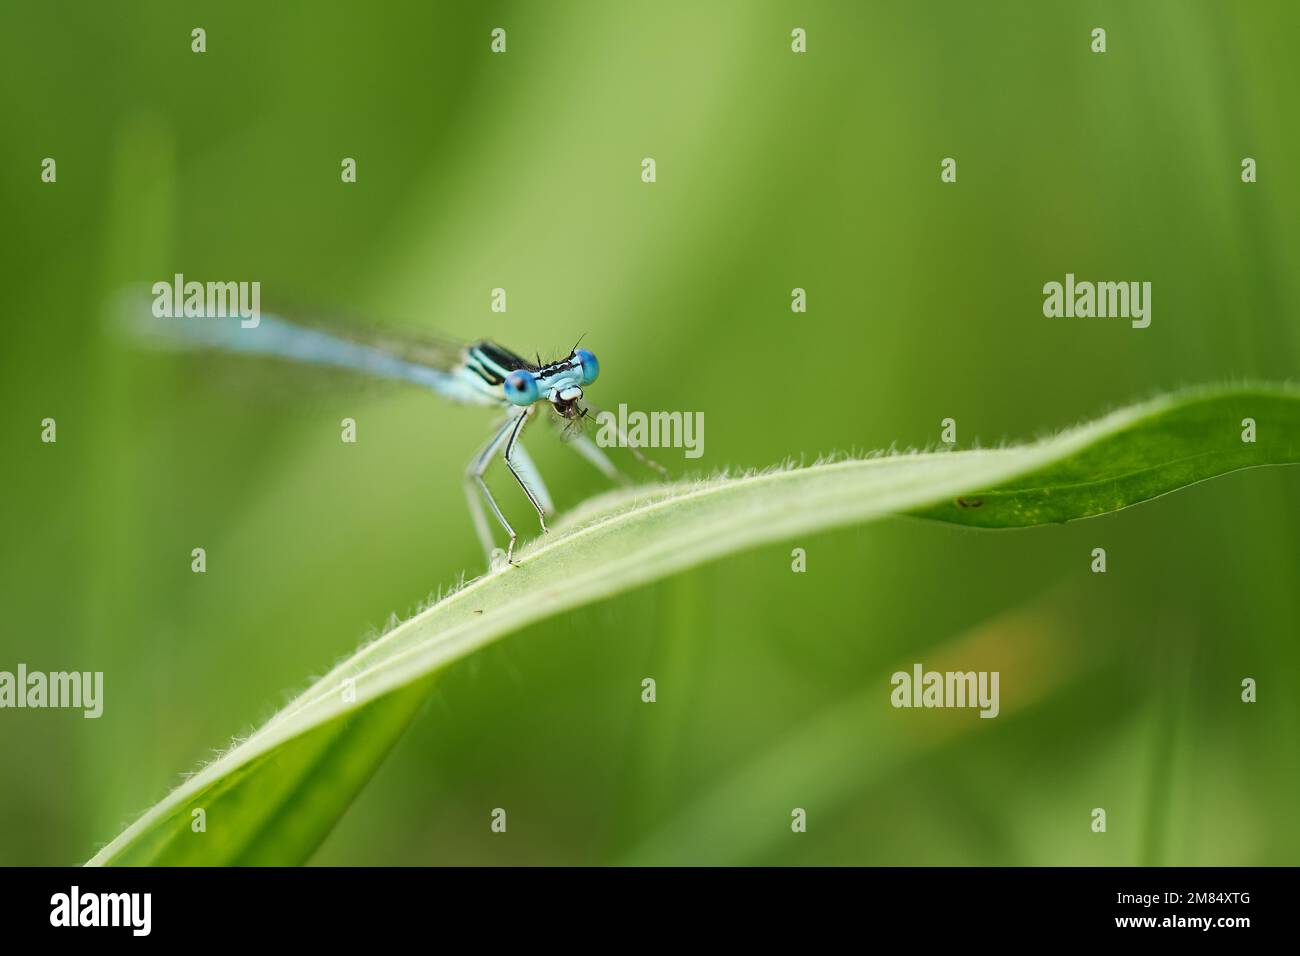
x=532, y=477
x=589, y=450
x=592, y=452
x=521, y=466
x=522, y=475
x=474, y=477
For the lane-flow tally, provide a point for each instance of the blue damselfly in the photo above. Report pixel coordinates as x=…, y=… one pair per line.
x=482, y=373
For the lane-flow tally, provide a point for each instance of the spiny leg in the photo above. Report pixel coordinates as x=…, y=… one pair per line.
x=624, y=441
x=511, y=447
x=474, y=476
x=635, y=449
x=533, y=478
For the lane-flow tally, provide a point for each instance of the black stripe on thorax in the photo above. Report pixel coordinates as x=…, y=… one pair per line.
x=492, y=363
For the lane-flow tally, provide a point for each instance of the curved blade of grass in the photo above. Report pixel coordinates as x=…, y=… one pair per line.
x=273, y=797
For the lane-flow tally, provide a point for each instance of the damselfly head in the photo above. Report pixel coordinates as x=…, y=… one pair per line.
x=559, y=383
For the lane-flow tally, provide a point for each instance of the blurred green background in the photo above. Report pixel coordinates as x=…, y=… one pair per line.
x=775, y=170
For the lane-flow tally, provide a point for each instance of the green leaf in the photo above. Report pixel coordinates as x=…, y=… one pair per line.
x=274, y=796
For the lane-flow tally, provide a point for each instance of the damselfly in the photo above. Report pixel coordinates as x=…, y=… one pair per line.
x=483, y=373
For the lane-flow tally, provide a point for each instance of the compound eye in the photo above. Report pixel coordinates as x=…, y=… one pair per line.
x=521, y=387
x=590, y=367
